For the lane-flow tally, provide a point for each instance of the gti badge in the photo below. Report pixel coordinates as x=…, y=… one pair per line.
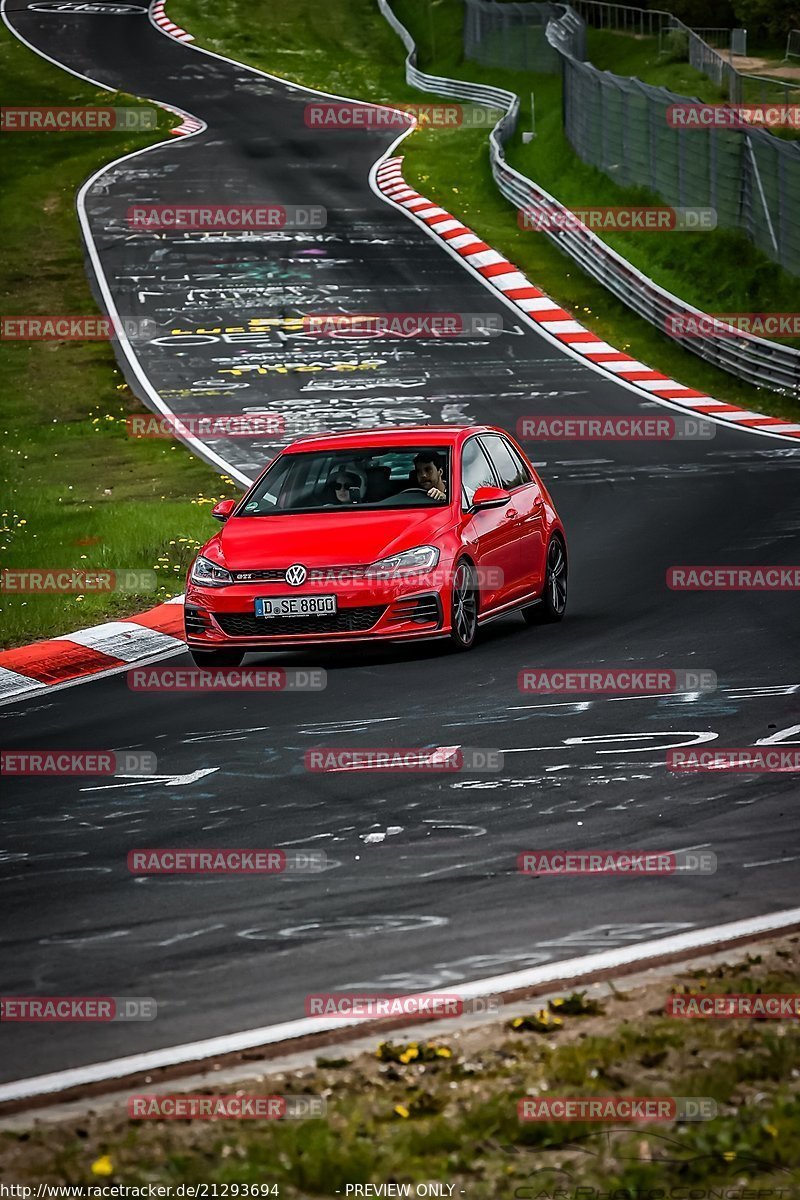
x=296, y=575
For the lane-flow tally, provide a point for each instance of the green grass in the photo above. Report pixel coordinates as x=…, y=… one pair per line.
x=639, y=57
x=347, y=47
x=446, y=1110
x=77, y=491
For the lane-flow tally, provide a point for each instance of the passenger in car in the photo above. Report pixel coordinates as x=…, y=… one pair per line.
x=347, y=486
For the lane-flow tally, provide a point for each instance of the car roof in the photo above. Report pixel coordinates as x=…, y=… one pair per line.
x=389, y=435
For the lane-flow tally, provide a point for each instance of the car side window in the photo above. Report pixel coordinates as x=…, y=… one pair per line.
x=523, y=466
x=475, y=470
x=506, y=464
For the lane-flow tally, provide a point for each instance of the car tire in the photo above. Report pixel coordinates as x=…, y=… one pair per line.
x=217, y=658
x=553, y=603
x=463, y=607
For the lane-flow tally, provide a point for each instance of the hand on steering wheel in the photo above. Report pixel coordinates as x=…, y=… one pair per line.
x=438, y=493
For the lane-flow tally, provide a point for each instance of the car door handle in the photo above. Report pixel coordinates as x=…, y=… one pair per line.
x=511, y=513
x=538, y=502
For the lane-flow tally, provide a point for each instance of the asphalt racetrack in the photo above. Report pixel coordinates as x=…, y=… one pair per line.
x=421, y=889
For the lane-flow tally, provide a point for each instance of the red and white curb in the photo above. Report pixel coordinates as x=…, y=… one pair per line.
x=187, y=126
x=507, y=279
x=159, y=16
x=102, y=650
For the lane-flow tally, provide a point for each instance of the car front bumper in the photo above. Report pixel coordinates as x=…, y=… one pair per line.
x=395, y=609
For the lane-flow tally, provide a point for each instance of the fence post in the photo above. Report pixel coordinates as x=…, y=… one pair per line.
x=653, y=143
x=711, y=163
x=763, y=198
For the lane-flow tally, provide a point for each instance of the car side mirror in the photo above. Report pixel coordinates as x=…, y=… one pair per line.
x=223, y=509
x=490, y=497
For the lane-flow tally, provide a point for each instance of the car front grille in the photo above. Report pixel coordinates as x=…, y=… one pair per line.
x=347, y=620
x=315, y=574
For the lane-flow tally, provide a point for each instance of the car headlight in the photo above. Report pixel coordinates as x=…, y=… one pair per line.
x=208, y=574
x=410, y=562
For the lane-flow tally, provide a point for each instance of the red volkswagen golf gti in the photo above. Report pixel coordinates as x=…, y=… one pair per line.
x=378, y=535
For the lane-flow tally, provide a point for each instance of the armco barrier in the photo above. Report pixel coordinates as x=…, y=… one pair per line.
x=755, y=360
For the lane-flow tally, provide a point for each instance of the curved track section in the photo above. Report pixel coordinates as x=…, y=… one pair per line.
x=421, y=889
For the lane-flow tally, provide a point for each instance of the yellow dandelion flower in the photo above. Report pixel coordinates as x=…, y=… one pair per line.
x=103, y=1166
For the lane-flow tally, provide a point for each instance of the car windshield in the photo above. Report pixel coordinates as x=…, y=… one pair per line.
x=366, y=478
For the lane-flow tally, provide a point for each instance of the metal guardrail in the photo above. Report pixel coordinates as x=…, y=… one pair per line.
x=755, y=360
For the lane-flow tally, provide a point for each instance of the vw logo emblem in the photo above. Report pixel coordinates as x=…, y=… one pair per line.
x=296, y=575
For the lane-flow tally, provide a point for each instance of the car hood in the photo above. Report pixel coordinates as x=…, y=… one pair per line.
x=323, y=539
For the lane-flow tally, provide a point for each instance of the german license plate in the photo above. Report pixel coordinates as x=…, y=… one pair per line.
x=295, y=606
